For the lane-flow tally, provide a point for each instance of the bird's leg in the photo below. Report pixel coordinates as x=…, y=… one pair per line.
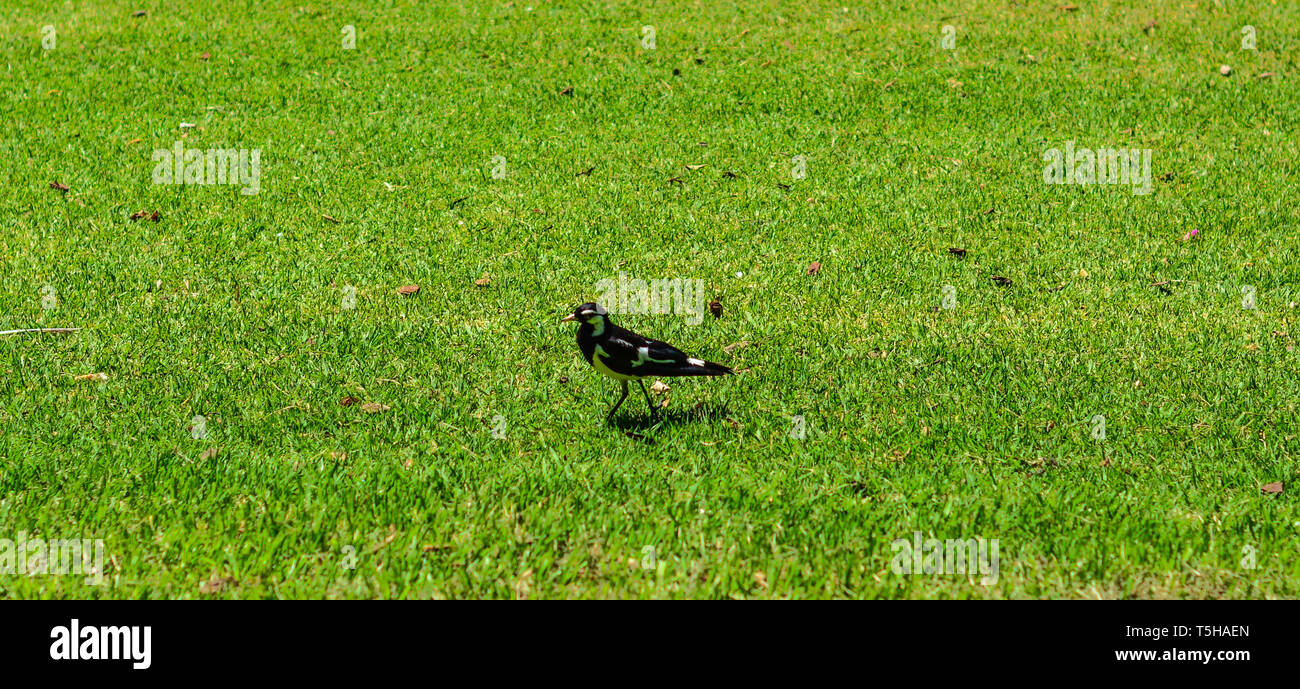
x=654, y=413
x=610, y=418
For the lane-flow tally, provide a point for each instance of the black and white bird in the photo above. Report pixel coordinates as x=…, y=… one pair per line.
x=624, y=355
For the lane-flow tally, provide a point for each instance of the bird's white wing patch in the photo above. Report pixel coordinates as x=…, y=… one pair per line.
x=643, y=355
x=695, y=362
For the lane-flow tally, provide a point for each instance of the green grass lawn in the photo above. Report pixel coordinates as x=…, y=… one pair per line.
x=486, y=470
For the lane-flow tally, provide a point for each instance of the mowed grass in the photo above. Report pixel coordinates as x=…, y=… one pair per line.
x=971, y=422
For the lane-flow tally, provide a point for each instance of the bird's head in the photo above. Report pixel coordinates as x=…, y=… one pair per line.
x=590, y=313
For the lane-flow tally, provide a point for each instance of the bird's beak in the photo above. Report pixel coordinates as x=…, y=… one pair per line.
x=568, y=318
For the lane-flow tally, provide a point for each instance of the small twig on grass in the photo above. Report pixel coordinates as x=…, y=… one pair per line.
x=39, y=330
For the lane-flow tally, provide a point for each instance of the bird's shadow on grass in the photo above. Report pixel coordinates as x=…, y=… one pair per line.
x=704, y=412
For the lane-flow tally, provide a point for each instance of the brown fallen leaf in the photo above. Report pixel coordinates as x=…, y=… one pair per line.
x=483, y=281
x=1272, y=488
x=133, y=142
x=348, y=401
x=568, y=91
x=392, y=536
x=659, y=387
x=693, y=168
x=1264, y=75
x=374, y=408
x=735, y=346
x=93, y=376
x=408, y=290
x=139, y=214
x=1225, y=70
x=586, y=173
x=814, y=267
x=215, y=584
x=60, y=186
x=715, y=308
x=331, y=219
x=1070, y=8
x=338, y=455
x=1004, y=281
x=209, y=454
x=205, y=56
x=959, y=253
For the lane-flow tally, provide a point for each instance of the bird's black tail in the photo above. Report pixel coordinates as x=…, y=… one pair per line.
x=708, y=369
